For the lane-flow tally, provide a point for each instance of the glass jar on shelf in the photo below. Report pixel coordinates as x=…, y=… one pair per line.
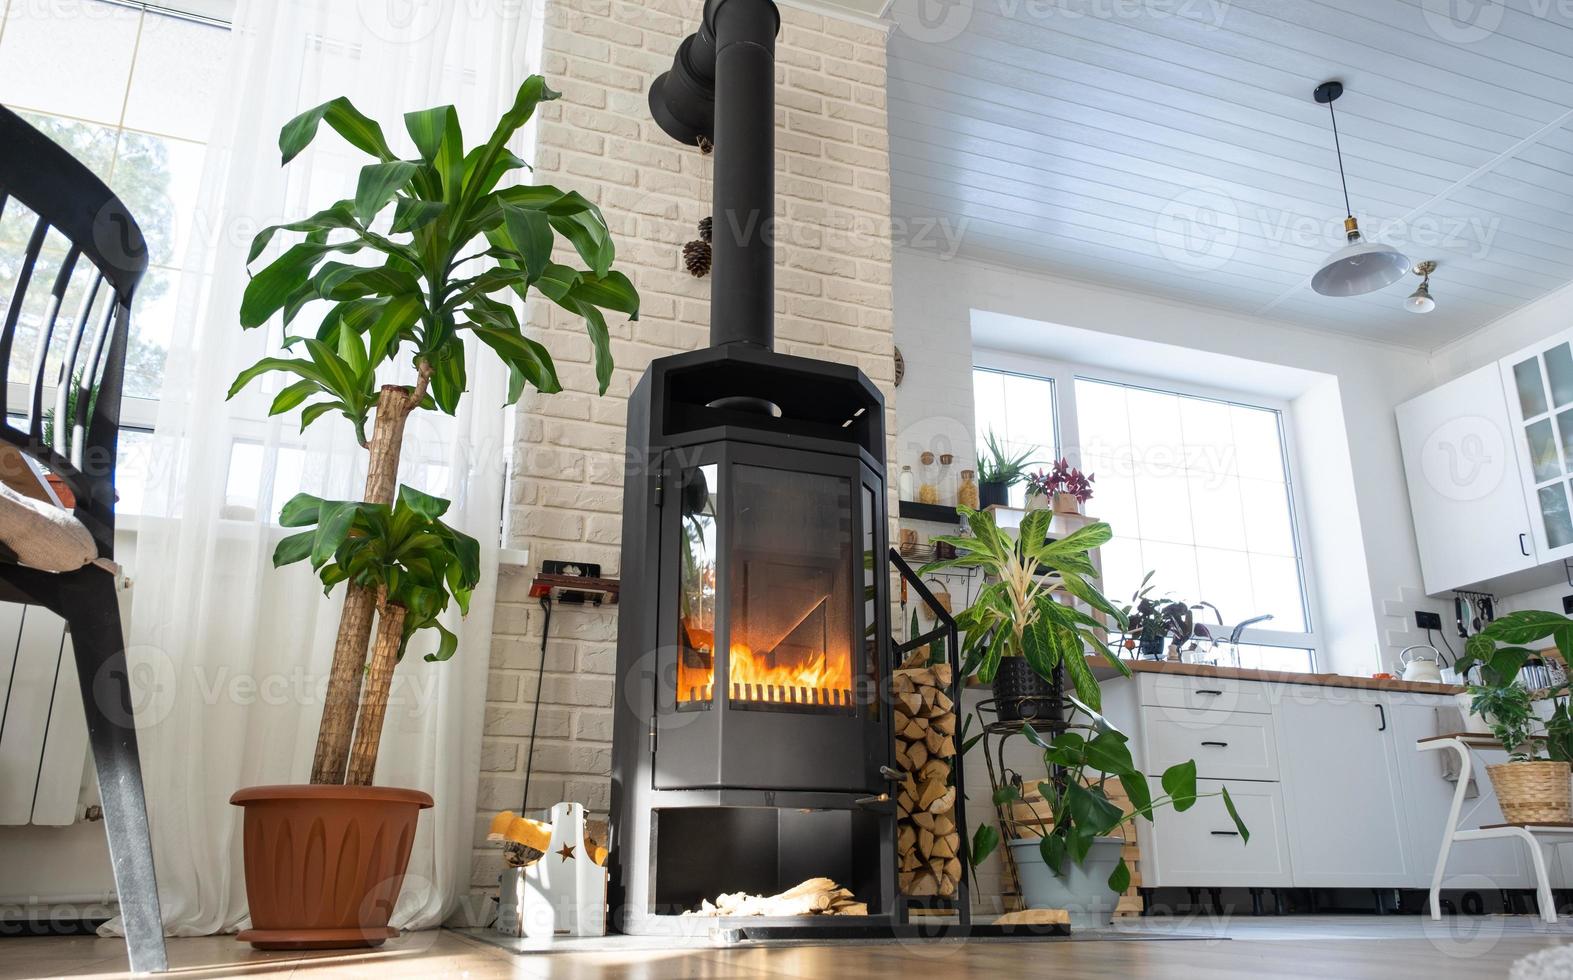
x=967, y=491
x=946, y=487
x=906, y=484
x=928, y=489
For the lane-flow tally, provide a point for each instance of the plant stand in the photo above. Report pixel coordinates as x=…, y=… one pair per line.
x=1534, y=836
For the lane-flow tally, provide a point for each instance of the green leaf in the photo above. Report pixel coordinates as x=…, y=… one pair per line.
x=411, y=214
x=305, y=369
x=447, y=644
x=378, y=183
x=1068, y=749
x=527, y=357
x=587, y=231
x=339, y=215
x=1228, y=804
x=1091, y=810
x=1179, y=781
x=346, y=120
x=423, y=504
x=531, y=235
x=1137, y=791
x=270, y=289
x=293, y=548
x=292, y=395
x=301, y=510
x=1038, y=649
x=1052, y=848
x=1006, y=794
x=984, y=840
x=1031, y=734
x=1120, y=879
x=336, y=519
x=532, y=92
x=1110, y=752
x=441, y=144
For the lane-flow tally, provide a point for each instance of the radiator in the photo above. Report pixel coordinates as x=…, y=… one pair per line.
x=43, y=734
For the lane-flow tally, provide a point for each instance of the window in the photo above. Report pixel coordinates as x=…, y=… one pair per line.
x=129, y=89
x=1019, y=410
x=1196, y=487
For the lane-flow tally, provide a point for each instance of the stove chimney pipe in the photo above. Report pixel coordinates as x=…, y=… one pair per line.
x=722, y=88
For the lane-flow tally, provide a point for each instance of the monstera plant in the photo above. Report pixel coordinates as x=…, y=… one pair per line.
x=442, y=252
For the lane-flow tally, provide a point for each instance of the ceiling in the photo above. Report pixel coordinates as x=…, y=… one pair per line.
x=1173, y=147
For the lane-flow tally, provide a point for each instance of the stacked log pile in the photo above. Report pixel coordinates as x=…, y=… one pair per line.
x=924, y=719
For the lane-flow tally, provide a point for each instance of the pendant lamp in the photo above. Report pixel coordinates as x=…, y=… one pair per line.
x=1360, y=266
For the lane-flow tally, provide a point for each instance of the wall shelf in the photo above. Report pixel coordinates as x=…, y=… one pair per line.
x=934, y=513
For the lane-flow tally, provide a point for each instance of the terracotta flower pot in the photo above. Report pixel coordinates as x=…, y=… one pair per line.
x=324, y=864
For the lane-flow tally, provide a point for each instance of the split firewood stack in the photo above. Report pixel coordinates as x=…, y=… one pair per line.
x=924, y=719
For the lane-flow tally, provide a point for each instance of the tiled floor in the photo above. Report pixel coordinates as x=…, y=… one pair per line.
x=1327, y=948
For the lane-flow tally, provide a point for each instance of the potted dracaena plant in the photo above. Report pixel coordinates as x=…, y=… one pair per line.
x=1019, y=636
x=1533, y=785
x=455, y=247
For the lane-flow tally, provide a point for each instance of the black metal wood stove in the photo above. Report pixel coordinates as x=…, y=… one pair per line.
x=750, y=732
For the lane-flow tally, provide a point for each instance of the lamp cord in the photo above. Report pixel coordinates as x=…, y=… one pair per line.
x=535, y=713
x=1338, y=148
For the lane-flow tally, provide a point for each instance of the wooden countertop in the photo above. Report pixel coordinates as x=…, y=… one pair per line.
x=1278, y=677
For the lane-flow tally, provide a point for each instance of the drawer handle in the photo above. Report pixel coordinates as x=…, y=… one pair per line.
x=1226, y=833
x=1221, y=745
x=1208, y=690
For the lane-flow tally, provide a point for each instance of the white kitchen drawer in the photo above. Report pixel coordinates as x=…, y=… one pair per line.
x=1184, y=693
x=1199, y=849
x=1225, y=745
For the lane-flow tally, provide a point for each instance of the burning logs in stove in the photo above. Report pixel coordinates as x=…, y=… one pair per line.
x=924, y=720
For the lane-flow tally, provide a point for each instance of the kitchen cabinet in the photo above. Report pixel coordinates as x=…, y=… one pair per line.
x=1343, y=805
x=1327, y=778
x=1201, y=848
x=1538, y=382
x=1465, y=488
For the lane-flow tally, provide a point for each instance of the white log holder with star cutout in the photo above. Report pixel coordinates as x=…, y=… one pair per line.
x=562, y=894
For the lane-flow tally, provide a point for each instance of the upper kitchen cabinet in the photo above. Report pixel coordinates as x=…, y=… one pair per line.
x=1465, y=490
x=1539, y=386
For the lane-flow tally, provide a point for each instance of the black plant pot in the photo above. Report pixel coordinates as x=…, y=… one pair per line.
x=1151, y=647
x=993, y=493
x=1020, y=693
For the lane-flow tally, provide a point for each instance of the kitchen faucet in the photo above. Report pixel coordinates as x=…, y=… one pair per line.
x=1234, y=635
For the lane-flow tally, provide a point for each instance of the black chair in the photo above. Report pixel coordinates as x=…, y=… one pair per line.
x=84, y=379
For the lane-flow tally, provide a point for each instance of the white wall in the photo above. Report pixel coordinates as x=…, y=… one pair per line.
x=1360, y=383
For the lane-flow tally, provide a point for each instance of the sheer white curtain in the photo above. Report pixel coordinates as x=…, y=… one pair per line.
x=229, y=655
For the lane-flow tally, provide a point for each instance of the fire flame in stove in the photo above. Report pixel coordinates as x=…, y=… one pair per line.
x=818, y=680
x=813, y=681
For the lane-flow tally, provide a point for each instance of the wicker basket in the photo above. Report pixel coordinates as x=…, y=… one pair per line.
x=1533, y=792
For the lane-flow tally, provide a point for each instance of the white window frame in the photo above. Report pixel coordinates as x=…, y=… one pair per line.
x=1064, y=377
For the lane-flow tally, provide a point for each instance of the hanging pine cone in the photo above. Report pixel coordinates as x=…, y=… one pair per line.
x=705, y=146
x=696, y=257
x=704, y=228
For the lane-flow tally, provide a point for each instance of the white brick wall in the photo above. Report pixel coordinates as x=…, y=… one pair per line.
x=833, y=282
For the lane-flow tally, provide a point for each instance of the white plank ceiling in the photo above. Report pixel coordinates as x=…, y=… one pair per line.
x=1172, y=147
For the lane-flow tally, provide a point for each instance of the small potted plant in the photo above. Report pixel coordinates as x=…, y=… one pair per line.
x=400, y=565
x=998, y=471
x=1019, y=634
x=1070, y=858
x=1152, y=623
x=1531, y=787
x=1064, y=488
x=1040, y=490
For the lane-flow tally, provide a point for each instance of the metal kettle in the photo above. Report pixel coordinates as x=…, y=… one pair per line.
x=1416, y=666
